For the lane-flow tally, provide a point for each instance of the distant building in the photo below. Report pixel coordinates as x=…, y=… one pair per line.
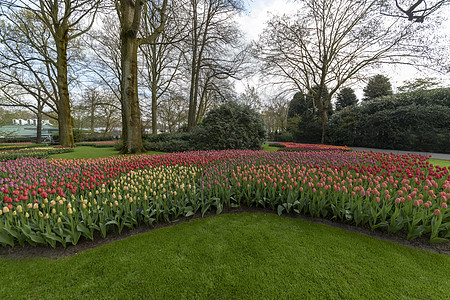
x=27, y=128
x=29, y=122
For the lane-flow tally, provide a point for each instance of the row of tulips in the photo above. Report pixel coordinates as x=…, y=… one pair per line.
x=60, y=201
x=307, y=147
x=12, y=147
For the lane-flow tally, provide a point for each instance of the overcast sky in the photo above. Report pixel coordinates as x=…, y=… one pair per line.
x=258, y=11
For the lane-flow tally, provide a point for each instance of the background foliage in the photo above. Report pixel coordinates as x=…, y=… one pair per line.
x=230, y=126
x=416, y=121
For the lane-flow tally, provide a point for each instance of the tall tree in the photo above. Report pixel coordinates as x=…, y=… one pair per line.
x=27, y=72
x=345, y=97
x=275, y=115
x=64, y=20
x=130, y=13
x=163, y=57
x=378, y=86
x=328, y=42
x=213, y=39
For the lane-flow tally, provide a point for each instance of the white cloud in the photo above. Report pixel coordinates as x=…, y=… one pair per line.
x=253, y=22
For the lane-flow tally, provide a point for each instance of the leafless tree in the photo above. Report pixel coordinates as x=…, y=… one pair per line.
x=212, y=32
x=328, y=42
x=161, y=59
x=64, y=21
x=172, y=112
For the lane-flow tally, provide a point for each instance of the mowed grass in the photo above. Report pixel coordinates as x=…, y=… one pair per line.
x=235, y=256
x=440, y=163
x=92, y=152
x=267, y=147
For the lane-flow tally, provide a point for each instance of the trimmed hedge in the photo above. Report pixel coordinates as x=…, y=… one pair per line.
x=417, y=121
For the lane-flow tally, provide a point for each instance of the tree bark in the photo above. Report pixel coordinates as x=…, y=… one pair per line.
x=39, y=123
x=64, y=116
x=154, y=88
x=324, y=119
x=131, y=112
x=92, y=112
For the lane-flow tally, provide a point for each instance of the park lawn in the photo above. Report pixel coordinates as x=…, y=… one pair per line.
x=440, y=163
x=92, y=152
x=267, y=147
x=235, y=256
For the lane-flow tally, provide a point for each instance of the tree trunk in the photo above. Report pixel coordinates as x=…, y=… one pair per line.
x=194, y=74
x=64, y=116
x=92, y=115
x=131, y=112
x=193, y=92
x=324, y=119
x=39, y=122
x=154, y=88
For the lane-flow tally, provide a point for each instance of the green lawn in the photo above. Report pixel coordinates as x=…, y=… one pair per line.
x=92, y=152
x=267, y=147
x=242, y=256
x=440, y=163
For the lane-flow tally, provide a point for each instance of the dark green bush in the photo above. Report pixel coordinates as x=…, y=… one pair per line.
x=170, y=146
x=98, y=138
x=118, y=146
x=231, y=126
x=168, y=142
x=165, y=137
x=417, y=121
x=79, y=135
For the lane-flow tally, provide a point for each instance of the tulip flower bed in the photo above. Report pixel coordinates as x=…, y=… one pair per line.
x=32, y=152
x=13, y=147
x=309, y=147
x=60, y=201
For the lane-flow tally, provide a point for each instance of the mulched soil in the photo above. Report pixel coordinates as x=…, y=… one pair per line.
x=42, y=251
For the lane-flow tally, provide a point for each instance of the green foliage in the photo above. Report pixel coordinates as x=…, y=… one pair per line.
x=298, y=105
x=418, y=84
x=119, y=145
x=97, y=138
x=416, y=121
x=169, y=142
x=231, y=126
x=303, y=121
x=285, y=136
x=378, y=86
x=17, y=139
x=79, y=135
x=303, y=124
x=346, y=97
